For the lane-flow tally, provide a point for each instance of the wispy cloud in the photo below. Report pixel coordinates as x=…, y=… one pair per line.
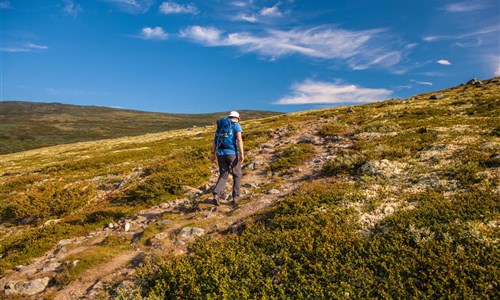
x=465, y=6
x=71, y=8
x=444, y=62
x=478, y=34
x=156, y=33
x=132, y=6
x=358, y=49
x=317, y=92
x=29, y=47
x=171, y=7
x=272, y=11
x=421, y=82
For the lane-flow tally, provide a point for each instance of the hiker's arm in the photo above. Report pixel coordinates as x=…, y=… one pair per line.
x=241, y=151
x=212, y=153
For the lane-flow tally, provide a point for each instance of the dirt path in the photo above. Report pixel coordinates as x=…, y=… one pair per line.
x=196, y=214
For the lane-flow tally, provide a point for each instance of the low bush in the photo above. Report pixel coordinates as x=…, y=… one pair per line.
x=292, y=156
x=309, y=247
x=344, y=164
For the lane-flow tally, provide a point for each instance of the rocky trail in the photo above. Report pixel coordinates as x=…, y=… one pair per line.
x=181, y=222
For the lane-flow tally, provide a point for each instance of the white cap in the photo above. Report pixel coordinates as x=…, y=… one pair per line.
x=234, y=114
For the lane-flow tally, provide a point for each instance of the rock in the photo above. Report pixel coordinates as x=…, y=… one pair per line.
x=252, y=166
x=111, y=226
x=191, y=191
x=310, y=139
x=190, y=233
x=437, y=96
x=74, y=263
x=250, y=185
x=51, y=267
x=126, y=227
x=27, y=288
x=350, y=110
x=267, y=146
x=273, y=192
x=476, y=82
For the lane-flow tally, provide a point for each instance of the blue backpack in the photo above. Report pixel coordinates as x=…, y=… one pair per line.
x=224, y=135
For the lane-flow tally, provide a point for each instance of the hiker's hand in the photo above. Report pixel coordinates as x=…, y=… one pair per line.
x=241, y=157
x=212, y=157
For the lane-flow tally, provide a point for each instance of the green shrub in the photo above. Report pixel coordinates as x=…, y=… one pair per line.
x=333, y=129
x=344, y=164
x=292, y=156
x=308, y=247
x=46, y=201
x=379, y=126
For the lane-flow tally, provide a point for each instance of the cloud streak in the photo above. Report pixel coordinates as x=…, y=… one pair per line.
x=465, y=6
x=30, y=47
x=359, y=49
x=132, y=6
x=171, y=7
x=318, y=92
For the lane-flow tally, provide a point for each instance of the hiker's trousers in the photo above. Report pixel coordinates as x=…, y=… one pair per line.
x=228, y=164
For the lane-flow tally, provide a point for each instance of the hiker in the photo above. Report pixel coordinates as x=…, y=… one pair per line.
x=228, y=146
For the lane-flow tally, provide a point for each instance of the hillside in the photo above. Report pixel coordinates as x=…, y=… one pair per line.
x=394, y=200
x=31, y=125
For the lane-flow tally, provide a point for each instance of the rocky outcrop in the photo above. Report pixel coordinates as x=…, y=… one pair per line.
x=26, y=288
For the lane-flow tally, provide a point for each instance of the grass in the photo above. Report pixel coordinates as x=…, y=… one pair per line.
x=439, y=241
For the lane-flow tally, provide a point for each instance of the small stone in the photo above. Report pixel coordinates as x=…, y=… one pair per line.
x=126, y=227
x=437, y=96
x=111, y=226
x=273, y=192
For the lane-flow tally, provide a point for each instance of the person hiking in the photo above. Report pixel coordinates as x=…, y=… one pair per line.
x=228, y=147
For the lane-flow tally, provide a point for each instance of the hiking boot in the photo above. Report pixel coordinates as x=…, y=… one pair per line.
x=215, y=200
x=235, y=200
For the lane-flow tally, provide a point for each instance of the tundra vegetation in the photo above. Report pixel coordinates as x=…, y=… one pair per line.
x=409, y=209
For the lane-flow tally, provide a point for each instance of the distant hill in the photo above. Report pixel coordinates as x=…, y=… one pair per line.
x=30, y=125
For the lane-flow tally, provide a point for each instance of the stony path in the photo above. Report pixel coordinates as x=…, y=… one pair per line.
x=192, y=216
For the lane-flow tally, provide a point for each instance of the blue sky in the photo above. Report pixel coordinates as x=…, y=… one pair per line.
x=206, y=56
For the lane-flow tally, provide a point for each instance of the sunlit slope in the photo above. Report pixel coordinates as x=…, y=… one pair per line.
x=29, y=125
x=396, y=199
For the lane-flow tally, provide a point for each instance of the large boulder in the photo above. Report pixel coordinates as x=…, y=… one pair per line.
x=26, y=288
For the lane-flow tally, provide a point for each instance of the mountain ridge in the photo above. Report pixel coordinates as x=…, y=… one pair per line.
x=29, y=125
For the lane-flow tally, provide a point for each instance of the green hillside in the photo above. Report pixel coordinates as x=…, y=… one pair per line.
x=397, y=199
x=30, y=125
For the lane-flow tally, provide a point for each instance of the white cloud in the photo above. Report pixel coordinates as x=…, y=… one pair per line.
x=359, y=49
x=444, y=62
x=421, y=82
x=207, y=35
x=133, y=6
x=317, y=92
x=71, y=8
x=176, y=8
x=465, y=6
x=251, y=19
x=271, y=11
x=156, y=33
x=29, y=47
